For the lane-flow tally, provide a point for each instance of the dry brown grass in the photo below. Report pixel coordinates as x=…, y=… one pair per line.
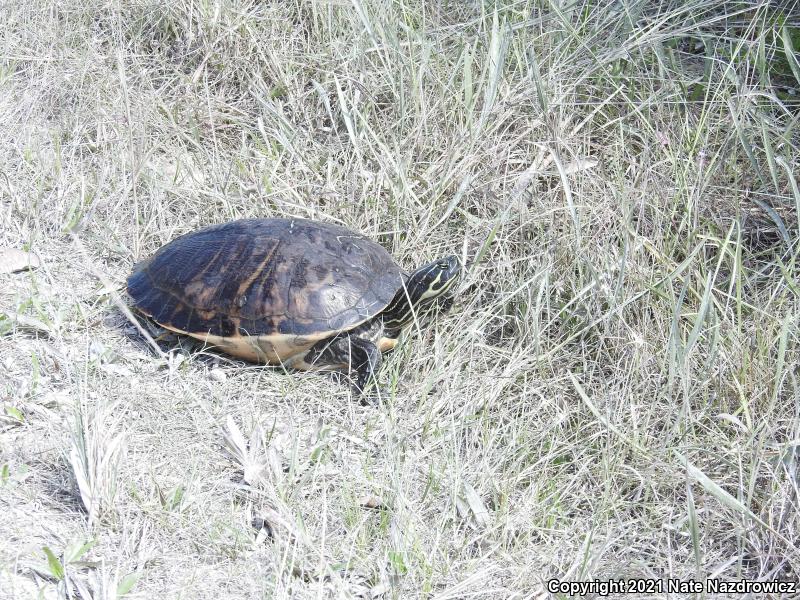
x=615, y=394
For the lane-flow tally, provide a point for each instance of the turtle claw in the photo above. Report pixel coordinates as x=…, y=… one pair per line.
x=371, y=394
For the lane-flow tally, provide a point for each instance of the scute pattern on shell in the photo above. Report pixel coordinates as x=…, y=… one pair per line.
x=259, y=277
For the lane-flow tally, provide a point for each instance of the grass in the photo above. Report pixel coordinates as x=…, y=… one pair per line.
x=614, y=394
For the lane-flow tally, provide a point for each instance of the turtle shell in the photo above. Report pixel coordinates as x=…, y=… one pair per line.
x=265, y=289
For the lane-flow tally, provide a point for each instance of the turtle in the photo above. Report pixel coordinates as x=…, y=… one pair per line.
x=304, y=294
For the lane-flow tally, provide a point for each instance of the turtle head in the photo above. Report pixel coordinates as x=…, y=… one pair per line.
x=426, y=288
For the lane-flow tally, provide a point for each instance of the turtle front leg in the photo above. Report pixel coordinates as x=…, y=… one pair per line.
x=366, y=361
x=354, y=354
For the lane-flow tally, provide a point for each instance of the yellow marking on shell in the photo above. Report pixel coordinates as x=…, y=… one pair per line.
x=206, y=314
x=199, y=275
x=252, y=277
x=385, y=344
x=316, y=293
x=301, y=304
x=199, y=293
x=287, y=350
